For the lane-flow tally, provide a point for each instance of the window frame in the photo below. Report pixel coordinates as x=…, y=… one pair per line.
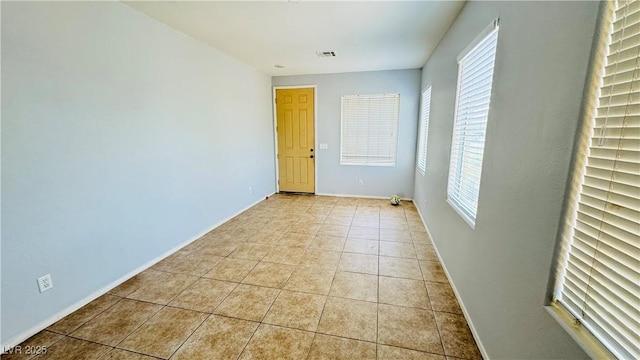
x=595, y=340
x=368, y=159
x=423, y=131
x=455, y=198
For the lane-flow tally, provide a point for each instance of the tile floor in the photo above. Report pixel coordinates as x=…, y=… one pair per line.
x=294, y=277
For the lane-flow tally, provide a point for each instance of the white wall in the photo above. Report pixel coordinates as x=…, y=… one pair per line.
x=501, y=268
x=334, y=178
x=121, y=139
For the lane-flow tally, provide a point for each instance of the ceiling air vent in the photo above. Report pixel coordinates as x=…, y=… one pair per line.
x=326, y=53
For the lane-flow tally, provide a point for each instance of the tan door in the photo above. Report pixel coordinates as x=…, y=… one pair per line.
x=296, y=152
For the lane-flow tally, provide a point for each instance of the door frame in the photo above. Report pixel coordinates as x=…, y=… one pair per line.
x=315, y=131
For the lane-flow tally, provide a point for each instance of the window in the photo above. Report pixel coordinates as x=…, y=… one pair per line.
x=369, y=129
x=598, y=278
x=475, y=75
x=424, y=130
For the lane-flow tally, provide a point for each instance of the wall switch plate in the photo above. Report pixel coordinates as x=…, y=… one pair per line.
x=324, y=146
x=45, y=283
x=361, y=182
x=250, y=190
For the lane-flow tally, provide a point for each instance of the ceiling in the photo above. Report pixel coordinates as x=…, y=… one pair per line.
x=365, y=35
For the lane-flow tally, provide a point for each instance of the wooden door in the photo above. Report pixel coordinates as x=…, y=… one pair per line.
x=296, y=139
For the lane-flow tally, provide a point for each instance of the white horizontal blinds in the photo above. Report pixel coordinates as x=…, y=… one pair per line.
x=472, y=109
x=601, y=285
x=369, y=129
x=424, y=130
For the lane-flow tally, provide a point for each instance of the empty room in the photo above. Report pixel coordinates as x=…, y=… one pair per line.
x=442, y=180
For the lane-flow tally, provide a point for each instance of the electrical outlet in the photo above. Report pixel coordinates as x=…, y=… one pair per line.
x=250, y=190
x=45, y=283
x=361, y=182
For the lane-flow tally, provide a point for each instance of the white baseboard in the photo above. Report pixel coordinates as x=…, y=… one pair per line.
x=455, y=291
x=103, y=290
x=363, y=196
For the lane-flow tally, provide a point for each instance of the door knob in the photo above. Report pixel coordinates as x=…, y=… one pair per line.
x=312, y=150
x=311, y=156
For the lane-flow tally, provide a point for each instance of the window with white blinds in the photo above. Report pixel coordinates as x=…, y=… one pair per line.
x=599, y=280
x=369, y=131
x=424, y=130
x=475, y=76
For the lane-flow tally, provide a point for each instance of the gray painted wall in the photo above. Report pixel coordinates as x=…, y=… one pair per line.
x=500, y=269
x=121, y=140
x=334, y=178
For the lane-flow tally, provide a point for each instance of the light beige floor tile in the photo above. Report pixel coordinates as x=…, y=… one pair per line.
x=355, y=286
x=456, y=336
x=219, y=249
x=117, y=322
x=74, y=349
x=266, y=237
x=394, y=353
x=320, y=258
x=269, y=275
x=361, y=246
x=162, y=334
x=305, y=227
x=366, y=222
x=380, y=252
x=199, y=256
x=360, y=263
x=394, y=223
x=315, y=215
x=426, y=252
x=442, y=298
x=332, y=347
x=334, y=230
x=248, y=302
x=363, y=212
x=339, y=220
x=399, y=267
x=356, y=232
x=420, y=237
x=251, y=251
x=274, y=342
x=164, y=288
x=231, y=269
x=289, y=255
x=136, y=282
x=409, y=328
x=35, y=345
x=349, y=318
x=327, y=242
x=219, y=337
x=241, y=233
x=295, y=239
x=118, y=354
x=183, y=265
x=432, y=271
x=310, y=280
x=395, y=235
x=415, y=224
x=296, y=310
x=403, y=292
x=204, y=295
x=76, y=319
x=397, y=249
x=344, y=213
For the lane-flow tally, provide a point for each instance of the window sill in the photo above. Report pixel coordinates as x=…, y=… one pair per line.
x=582, y=336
